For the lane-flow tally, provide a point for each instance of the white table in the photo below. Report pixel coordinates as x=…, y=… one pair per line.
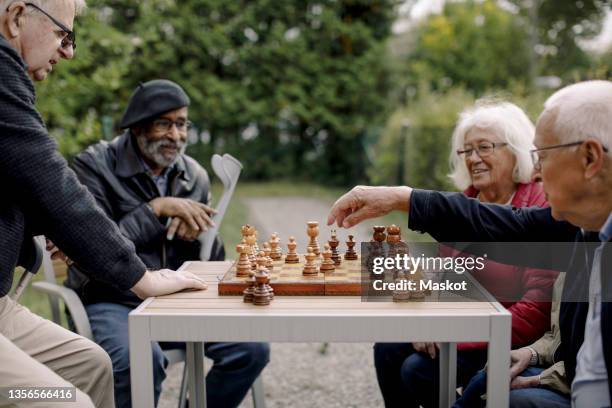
x=195, y=317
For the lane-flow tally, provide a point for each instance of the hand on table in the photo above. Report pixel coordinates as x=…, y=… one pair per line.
x=364, y=202
x=166, y=281
x=427, y=347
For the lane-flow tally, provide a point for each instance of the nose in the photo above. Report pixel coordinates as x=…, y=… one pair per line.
x=473, y=156
x=173, y=133
x=67, y=52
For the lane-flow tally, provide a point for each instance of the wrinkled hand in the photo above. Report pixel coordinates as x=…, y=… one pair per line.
x=182, y=230
x=428, y=348
x=194, y=214
x=166, y=281
x=525, y=382
x=56, y=253
x=519, y=361
x=364, y=202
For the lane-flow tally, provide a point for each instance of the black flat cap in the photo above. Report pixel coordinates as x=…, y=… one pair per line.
x=151, y=99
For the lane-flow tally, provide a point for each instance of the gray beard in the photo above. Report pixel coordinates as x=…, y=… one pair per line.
x=152, y=150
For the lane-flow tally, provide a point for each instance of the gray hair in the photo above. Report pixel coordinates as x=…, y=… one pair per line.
x=582, y=110
x=506, y=120
x=79, y=5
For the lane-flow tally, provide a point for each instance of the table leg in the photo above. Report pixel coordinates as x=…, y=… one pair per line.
x=498, y=371
x=448, y=374
x=141, y=363
x=195, y=370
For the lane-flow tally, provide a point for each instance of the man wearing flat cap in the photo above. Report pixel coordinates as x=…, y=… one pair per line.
x=159, y=197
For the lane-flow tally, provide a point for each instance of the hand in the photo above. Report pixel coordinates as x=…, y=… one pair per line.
x=525, y=382
x=181, y=229
x=364, y=202
x=56, y=253
x=195, y=214
x=165, y=281
x=428, y=348
x=519, y=361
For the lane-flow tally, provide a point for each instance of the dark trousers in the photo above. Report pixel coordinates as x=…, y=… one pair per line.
x=236, y=365
x=408, y=378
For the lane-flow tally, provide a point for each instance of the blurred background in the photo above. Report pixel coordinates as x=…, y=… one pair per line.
x=333, y=92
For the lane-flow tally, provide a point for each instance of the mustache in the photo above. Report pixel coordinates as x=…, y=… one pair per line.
x=168, y=143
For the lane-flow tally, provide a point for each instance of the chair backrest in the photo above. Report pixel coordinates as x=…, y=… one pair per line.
x=49, y=274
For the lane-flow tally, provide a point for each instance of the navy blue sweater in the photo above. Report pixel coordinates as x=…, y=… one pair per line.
x=451, y=217
x=43, y=196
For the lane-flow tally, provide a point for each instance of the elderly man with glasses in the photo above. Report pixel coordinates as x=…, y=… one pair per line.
x=159, y=197
x=572, y=157
x=42, y=196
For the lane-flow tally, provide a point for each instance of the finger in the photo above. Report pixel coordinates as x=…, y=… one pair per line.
x=355, y=217
x=419, y=346
x=203, y=222
x=515, y=370
x=340, y=209
x=174, y=225
x=194, y=281
x=431, y=349
x=208, y=209
x=182, y=231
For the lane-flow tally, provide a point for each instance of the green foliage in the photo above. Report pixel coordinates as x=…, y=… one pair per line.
x=417, y=138
x=477, y=45
x=305, y=79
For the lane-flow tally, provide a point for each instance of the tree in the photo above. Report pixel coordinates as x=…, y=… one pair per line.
x=290, y=88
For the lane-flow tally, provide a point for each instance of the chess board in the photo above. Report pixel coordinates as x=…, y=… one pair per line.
x=287, y=280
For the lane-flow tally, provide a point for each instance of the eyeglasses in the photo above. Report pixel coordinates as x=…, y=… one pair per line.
x=70, y=39
x=165, y=125
x=483, y=149
x=537, y=159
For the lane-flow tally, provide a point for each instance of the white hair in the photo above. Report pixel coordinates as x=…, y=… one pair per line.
x=582, y=110
x=506, y=120
x=79, y=5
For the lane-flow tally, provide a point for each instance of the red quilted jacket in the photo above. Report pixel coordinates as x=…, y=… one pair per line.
x=530, y=317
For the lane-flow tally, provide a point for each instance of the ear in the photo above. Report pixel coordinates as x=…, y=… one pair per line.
x=593, y=157
x=14, y=18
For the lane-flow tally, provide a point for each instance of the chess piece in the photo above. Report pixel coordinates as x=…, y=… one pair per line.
x=249, y=292
x=313, y=233
x=275, y=251
x=327, y=265
x=394, y=234
x=310, y=268
x=333, y=244
x=251, y=240
x=267, y=251
x=379, y=234
x=292, y=257
x=350, y=254
x=243, y=267
x=261, y=296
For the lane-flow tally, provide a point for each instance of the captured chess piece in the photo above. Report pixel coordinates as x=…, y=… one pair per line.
x=313, y=233
x=310, y=268
x=350, y=254
x=275, y=251
x=261, y=295
x=333, y=244
x=243, y=267
x=292, y=257
x=327, y=265
x=249, y=292
x=379, y=234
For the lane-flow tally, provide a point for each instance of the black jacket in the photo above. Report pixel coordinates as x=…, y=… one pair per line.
x=451, y=217
x=43, y=196
x=116, y=176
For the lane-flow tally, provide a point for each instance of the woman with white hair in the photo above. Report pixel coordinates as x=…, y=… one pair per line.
x=490, y=161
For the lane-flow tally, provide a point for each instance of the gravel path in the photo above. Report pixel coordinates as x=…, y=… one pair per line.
x=304, y=375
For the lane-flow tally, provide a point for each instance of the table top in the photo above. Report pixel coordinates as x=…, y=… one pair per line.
x=210, y=303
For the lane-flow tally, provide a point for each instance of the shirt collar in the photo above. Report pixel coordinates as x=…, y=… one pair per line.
x=606, y=231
